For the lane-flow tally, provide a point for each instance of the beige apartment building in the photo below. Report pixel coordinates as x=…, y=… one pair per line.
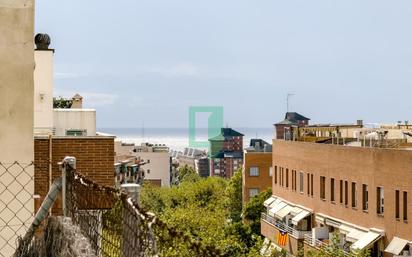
x=361, y=194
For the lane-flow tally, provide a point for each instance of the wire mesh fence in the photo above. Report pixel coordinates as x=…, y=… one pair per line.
x=117, y=226
x=111, y=223
x=16, y=203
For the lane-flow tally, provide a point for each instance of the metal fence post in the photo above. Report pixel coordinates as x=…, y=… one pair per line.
x=68, y=164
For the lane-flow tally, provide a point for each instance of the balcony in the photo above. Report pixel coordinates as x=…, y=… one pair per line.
x=282, y=226
x=317, y=244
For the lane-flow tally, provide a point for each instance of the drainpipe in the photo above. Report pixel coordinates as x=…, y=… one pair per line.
x=50, y=165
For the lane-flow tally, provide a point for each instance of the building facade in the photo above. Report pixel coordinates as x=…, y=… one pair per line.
x=196, y=159
x=257, y=169
x=284, y=129
x=156, y=158
x=360, y=194
x=16, y=119
x=226, y=153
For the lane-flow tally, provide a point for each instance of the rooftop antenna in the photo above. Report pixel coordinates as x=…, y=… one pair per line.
x=143, y=131
x=287, y=101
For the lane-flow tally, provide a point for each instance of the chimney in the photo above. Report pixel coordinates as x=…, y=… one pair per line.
x=43, y=85
x=77, y=102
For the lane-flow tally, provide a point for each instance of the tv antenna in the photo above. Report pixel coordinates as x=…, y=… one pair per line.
x=288, y=96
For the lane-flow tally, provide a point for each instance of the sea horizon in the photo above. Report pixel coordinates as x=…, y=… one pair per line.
x=178, y=138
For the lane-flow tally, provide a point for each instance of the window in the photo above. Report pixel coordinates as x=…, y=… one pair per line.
x=76, y=132
x=301, y=182
x=270, y=171
x=332, y=190
x=253, y=192
x=353, y=194
x=308, y=179
x=322, y=188
x=380, y=200
x=397, y=215
x=311, y=185
x=276, y=175
x=365, y=197
x=294, y=180
x=281, y=177
x=287, y=178
x=346, y=192
x=340, y=191
x=254, y=171
x=405, y=206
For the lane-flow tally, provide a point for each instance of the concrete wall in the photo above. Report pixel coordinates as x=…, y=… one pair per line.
x=16, y=116
x=74, y=119
x=387, y=168
x=43, y=92
x=256, y=159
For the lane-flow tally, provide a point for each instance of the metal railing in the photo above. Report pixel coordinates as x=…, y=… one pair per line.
x=319, y=244
x=298, y=234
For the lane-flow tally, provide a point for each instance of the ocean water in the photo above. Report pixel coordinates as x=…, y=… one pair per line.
x=178, y=138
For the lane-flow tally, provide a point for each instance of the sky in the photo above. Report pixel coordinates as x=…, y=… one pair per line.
x=147, y=61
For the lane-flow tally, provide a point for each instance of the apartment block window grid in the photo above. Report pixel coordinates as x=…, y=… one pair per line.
x=254, y=171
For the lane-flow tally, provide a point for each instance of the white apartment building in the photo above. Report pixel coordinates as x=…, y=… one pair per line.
x=157, y=157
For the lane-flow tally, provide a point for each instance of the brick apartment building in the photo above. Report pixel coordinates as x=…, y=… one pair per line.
x=361, y=193
x=257, y=168
x=226, y=153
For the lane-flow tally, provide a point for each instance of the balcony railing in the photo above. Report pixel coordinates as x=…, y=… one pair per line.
x=282, y=226
x=314, y=242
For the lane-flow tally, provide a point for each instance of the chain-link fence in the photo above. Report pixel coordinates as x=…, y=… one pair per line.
x=117, y=226
x=16, y=203
x=110, y=223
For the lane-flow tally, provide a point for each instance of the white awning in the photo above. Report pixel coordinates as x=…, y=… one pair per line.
x=303, y=214
x=295, y=211
x=345, y=229
x=396, y=246
x=283, y=212
x=354, y=235
x=269, y=201
x=275, y=203
x=320, y=219
x=276, y=208
x=366, y=240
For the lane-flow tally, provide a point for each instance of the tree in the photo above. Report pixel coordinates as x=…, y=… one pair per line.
x=234, y=196
x=62, y=103
x=252, y=211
